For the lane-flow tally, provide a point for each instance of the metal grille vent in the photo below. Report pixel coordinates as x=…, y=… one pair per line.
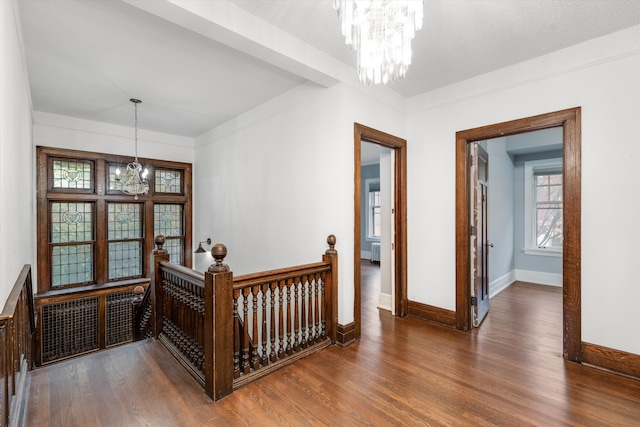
x=69, y=328
x=119, y=318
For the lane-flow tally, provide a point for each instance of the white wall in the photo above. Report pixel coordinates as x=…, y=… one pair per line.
x=17, y=223
x=601, y=76
x=501, y=214
x=275, y=182
x=54, y=130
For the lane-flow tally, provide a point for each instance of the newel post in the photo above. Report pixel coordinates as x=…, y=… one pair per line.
x=136, y=302
x=218, y=326
x=331, y=288
x=158, y=256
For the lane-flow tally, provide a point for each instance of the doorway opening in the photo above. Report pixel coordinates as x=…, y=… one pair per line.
x=569, y=121
x=398, y=239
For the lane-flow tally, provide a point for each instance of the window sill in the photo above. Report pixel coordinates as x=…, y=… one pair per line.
x=372, y=239
x=543, y=252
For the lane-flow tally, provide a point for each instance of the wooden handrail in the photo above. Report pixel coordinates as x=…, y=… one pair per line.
x=9, y=310
x=196, y=277
x=247, y=280
x=17, y=331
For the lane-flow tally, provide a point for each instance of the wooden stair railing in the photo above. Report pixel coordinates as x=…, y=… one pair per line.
x=229, y=331
x=17, y=332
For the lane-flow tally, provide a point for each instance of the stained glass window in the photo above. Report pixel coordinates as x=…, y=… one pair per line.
x=72, y=241
x=111, y=177
x=69, y=174
x=124, y=232
x=169, y=221
x=94, y=233
x=168, y=181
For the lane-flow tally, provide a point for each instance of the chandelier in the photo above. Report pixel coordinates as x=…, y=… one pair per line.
x=380, y=31
x=134, y=181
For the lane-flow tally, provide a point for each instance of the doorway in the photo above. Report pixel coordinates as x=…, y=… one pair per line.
x=569, y=120
x=399, y=237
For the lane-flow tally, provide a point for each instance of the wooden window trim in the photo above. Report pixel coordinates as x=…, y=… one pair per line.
x=100, y=195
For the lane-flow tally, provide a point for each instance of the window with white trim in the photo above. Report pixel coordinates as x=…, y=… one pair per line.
x=373, y=218
x=543, y=206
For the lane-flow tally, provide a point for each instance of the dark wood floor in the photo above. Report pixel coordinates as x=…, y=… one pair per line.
x=402, y=372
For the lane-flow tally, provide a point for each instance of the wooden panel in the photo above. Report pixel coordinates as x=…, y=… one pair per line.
x=432, y=314
x=346, y=334
x=17, y=331
x=611, y=359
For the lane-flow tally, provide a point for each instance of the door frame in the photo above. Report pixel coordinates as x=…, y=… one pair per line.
x=570, y=121
x=399, y=145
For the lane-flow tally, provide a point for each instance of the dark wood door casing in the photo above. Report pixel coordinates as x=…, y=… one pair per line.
x=570, y=121
x=399, y=145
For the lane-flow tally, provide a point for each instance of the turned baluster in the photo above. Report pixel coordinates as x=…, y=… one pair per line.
x=316, y=312
x=245, y=331
x=310, y=321
x=296, y=315
x=264, y=355
x=280, y=319
x=255, y=361
x=236, y=335
x=323, y=309
x=303, y=313
x=289, y=320
x=272, y=322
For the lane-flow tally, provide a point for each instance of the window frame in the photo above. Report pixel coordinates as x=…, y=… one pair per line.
x=531, y=169
x=369, y=184
x=100, y=195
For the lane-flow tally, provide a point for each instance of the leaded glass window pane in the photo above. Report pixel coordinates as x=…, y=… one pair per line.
x=125, y=259
x=168, y=181
x=174, y=247
x=69, y=174
x=168, y=220
x=71, y=222
x=71, y=264
x=112, y=182
x=124, y=232
x=124, y=221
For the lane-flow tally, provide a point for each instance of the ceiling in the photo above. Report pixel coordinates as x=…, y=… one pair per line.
x=197, y=64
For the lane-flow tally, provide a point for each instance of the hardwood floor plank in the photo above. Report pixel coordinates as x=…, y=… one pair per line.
x=509, y=372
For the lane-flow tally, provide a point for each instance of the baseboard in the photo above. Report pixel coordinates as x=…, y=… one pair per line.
x=384, y=302
x=542, y=278
x=610, y=359
x=346, y=334
x=501, y=283
x=433, y=314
